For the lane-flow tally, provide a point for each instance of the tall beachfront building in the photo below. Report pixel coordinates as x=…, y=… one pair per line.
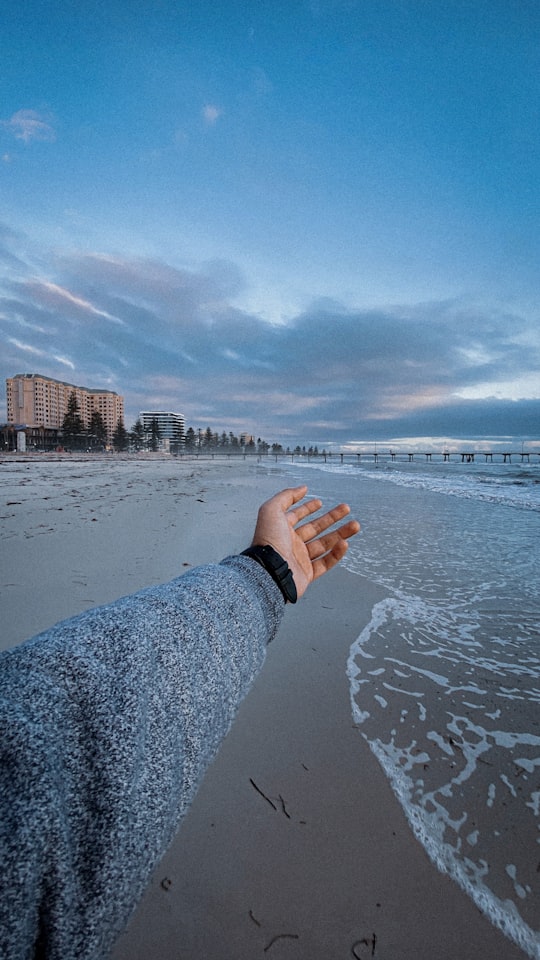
x=35, y=401
x=171, y=425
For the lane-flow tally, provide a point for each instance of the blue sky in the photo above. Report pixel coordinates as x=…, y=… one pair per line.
x=314, y=220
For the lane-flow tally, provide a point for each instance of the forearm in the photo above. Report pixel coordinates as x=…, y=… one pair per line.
x=113, y=718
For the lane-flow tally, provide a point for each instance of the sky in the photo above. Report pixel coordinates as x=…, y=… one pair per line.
x=316, y=221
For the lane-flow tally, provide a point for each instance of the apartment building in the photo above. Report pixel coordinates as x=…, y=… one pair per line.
x=37, y=401
x=171, y=426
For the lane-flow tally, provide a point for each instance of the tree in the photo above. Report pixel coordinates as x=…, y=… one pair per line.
x=208, y=438
x=137, y=435
x=155, y=435
x=120, y=436
x=73, y=433
x=191, y=440
x=97, y=431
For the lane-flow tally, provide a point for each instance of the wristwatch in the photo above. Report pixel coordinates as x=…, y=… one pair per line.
x=277, y=567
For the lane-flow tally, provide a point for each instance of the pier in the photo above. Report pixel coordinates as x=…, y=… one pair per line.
x=444, y=456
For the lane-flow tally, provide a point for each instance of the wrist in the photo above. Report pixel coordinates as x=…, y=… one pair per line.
x=277, y=567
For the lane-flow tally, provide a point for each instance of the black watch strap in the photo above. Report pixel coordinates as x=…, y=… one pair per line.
x=277, y=567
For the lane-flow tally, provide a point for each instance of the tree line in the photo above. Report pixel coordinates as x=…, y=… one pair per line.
x=77, y=436
x=207, y=441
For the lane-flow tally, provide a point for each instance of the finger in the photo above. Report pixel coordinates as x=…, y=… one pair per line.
x=310, y=530
x=317, y=548
x=288, y=497
x=330, y=559
x=303, y=510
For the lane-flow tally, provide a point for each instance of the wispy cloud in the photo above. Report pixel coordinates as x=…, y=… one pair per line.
x=54, y=295
x=211, y=114
x=29, y=125
x=26, y=347
x=65, y=361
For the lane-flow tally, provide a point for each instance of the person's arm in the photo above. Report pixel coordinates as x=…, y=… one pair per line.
x=108, y=723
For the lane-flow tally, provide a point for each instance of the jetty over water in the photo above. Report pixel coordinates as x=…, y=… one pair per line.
x=444, y=456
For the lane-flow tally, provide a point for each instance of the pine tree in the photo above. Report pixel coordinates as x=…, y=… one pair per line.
x=120, y=436
x=137, y=435
x=73, y=433
x=97, y=431
x=191, y=440
x=262, y=447
x=155, y=435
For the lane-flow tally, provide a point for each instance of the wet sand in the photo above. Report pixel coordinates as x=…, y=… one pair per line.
x=295, y=845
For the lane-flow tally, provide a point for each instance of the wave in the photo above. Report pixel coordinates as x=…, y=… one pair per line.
x=447, y=707
x=507, y=486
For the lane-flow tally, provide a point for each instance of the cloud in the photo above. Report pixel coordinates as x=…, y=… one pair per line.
x=26, y=347
x=52, y=294
x=42, y=354
x=211, y=114
x=175, y=337
x=65, y=361
x=524, y=387
x=29, y=125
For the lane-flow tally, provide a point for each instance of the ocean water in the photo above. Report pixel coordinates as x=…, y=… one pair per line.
x=445, y=678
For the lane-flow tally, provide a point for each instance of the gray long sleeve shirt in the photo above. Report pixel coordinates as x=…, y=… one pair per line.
x=108, y=722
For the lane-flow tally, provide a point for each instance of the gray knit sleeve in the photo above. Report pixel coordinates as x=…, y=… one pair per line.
x=108, y=722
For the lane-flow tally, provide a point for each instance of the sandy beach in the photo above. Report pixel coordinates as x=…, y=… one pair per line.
x=296, y=845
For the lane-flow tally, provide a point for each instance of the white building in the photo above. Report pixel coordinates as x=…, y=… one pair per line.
x=171, y=426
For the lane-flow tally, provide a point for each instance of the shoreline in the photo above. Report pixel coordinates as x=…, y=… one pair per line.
x=295, y=845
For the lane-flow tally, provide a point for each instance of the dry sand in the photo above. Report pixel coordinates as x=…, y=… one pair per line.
x=78, y=532
x=295, y=846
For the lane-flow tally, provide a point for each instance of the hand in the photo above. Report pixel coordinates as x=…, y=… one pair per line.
x=308, y=549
